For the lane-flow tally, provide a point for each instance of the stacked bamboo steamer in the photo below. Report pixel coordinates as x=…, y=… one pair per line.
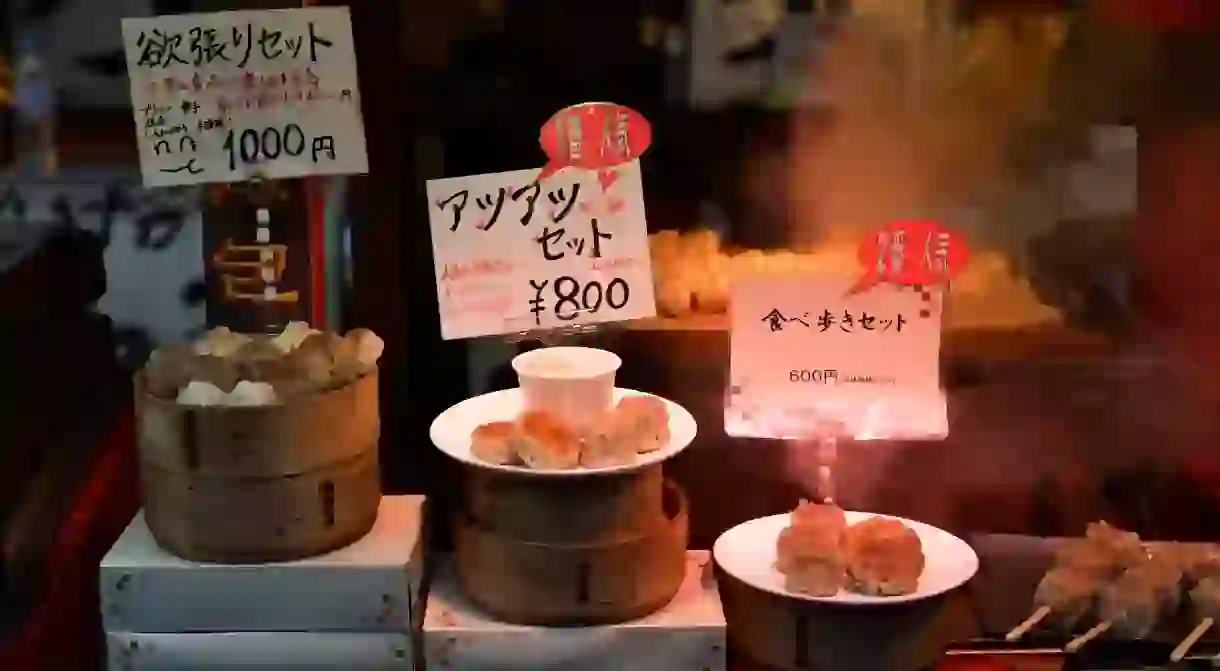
x=526, y=566
x=257, y=448
x=565, y=547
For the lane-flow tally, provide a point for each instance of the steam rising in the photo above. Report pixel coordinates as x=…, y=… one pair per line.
x=925, y=116
x=968, y=125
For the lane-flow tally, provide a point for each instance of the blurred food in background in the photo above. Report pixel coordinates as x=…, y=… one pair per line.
x=692, y=270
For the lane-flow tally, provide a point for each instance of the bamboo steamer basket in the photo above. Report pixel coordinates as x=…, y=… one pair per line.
x=622, y=561
x=797, y=635
x=264, y=483
x=564, y=510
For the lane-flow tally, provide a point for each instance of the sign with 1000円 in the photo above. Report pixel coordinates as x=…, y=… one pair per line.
x=806, y=352
x=515, y=254
x=228, y=96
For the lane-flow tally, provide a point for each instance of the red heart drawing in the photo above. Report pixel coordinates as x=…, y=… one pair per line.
x=614, y=206
x=586, y=206
x=482, y=225
x=607, y=178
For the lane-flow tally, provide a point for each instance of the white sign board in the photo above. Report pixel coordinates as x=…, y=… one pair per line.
x=513, y=254
x=229, y=96
x=804, y=354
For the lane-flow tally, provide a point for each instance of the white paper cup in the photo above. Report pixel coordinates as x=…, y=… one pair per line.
x=576, y=384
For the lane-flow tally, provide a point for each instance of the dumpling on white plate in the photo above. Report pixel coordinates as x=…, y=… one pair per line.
x=495, y=442
x=544, y=442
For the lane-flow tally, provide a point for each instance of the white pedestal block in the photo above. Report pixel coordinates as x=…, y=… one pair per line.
x=264, y=651
x=368, y=586
x=686, y=635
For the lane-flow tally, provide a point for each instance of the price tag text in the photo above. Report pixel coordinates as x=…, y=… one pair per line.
x=229, y=96
x=513, y=253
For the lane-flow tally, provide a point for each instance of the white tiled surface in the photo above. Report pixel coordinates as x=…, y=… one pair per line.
x=688, y=634
x=367, y=586
x=264, y=651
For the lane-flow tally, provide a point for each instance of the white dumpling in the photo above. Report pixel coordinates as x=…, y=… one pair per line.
x=248, y=393
x=293, y=335
x=201, y=393
x=220, y=342
x=369, y=346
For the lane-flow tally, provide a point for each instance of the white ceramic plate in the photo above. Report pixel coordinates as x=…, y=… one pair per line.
x=747, y=552
x=451, y=433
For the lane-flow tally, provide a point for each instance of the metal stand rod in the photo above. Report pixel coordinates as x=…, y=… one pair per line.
x=827, y=456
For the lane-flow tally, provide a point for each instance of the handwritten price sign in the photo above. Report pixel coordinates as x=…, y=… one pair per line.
x=804, y=352
x=228, y=96
x=514, y=254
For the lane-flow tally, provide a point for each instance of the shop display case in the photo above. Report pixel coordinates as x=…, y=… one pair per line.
x=328, y=481
x=1071, y=399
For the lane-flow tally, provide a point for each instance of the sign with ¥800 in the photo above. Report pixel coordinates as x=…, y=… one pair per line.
x=229, y=96
x=806, y=352
x=515, y=254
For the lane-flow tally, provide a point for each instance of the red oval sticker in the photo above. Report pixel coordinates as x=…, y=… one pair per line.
x=593, y=136
x=910, y=252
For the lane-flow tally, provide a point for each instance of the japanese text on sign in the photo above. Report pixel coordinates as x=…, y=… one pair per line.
x=803, y=353
x=593, y=136
x=229, y=96
x=845, y=321
x=909, y=253
x=514, y=254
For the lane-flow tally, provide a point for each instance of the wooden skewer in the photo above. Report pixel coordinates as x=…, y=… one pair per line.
x=1078, y=642
x=1029, y=623
x=1191, y=638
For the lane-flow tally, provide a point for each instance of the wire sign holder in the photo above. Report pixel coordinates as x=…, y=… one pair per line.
x=550, y=337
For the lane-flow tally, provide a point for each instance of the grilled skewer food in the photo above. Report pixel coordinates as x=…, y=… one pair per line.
x=1123, y=542
x=1165, y=574
x=1088, y=556
x=1132, y=605
x=1198, y=561
x=1083, y=567
x=1105, y=550
x=1065, y=593
x=1132, y=584
x=1205, y=600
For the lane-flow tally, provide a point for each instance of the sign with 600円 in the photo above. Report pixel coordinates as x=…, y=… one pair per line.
x=807, y=352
